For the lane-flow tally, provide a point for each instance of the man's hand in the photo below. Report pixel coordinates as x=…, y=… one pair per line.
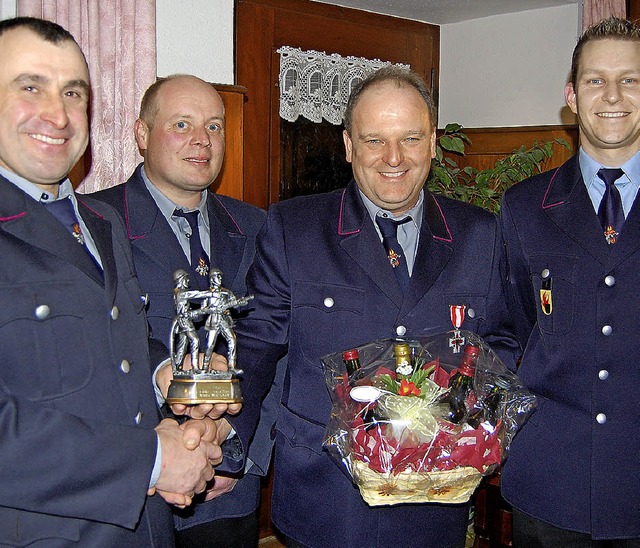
x=220, y=485
x=211, y=410
x=164, y=377
x=196, y=431
x=188, y=456
x=205, y=429
x=175, y=499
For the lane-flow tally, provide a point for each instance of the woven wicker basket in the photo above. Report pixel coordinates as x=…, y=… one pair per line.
x=449, y=486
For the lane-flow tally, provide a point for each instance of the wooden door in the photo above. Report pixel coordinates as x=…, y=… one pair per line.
x=262, y=26
x=230, y=180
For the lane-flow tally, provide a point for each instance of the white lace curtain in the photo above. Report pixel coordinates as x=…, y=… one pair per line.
x=316, y=85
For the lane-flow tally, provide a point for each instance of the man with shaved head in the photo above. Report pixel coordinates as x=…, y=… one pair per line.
x=176, y=222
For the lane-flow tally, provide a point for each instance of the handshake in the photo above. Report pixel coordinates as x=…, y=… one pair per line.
x=190, y=450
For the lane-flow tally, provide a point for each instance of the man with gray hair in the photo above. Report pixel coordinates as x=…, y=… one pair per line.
x=324, y=281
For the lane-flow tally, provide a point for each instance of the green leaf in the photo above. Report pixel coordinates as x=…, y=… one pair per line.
x=452, y=128
x=452, y=144
x=457, y=145
x=390, y=384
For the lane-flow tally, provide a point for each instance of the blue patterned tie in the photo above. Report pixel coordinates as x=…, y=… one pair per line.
x=395, y=253
x=63, y=211
x=199, y=258
x=610, y=212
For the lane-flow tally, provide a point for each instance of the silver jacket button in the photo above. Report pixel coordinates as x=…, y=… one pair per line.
x=125, y=366
x=607, y=330
x=328, y=302
x=115, y=313
x=610, y=280
x=601, y=418
x=401, y=330
x=42, y=312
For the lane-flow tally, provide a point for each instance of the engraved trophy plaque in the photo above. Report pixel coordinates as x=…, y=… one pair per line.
x=203, y=385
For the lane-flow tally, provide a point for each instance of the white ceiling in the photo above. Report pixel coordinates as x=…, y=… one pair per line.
x=447, y=11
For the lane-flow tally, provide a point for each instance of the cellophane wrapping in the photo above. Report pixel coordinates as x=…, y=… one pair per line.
x=394, y=436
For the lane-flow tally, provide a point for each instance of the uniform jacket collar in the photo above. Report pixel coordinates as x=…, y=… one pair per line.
x=567, y=204
x=150, y=232
x=28, y=220
x=358, y=237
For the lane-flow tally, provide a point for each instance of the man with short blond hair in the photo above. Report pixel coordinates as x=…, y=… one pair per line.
x=181, y=135
x=572, y=236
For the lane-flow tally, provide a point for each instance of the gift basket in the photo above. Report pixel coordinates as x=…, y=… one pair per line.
x=422, y=420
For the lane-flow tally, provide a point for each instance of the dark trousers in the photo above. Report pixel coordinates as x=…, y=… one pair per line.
x=290, y=543
x=222, y=533
x=529, y=532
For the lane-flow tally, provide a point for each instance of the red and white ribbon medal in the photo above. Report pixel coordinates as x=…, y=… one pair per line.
x=456, y=342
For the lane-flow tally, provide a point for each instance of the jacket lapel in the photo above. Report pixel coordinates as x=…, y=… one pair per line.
x=567, y=204
x=100, y=230
x=434, y=250
x=29, y=221
x=629, y=239
x=359, y=239
x=150, y=233
x=148, y=230
x=228, y=243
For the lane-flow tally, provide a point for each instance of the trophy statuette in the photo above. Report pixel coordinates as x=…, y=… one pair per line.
x=205, y=385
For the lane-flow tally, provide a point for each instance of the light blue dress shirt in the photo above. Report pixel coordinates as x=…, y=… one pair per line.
x=408, y=233
x=627, y=184
x=179, y=225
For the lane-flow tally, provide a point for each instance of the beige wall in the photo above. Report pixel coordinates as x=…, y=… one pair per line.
x=195, y=36
x=507, y=70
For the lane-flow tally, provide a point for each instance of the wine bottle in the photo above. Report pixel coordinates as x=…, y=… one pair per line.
x=351, y=360
x=404, y=366
x=461, y=383
x=490, y=409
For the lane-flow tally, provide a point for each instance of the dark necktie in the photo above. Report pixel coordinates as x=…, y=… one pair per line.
x=610, y=212
x=395, y=253
x=199, y=258
x=64, y=212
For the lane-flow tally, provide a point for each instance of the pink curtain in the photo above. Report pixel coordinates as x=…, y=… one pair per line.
x=596, y=10
x=118, y=37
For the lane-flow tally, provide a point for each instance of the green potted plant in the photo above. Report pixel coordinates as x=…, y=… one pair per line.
x=485, y=187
